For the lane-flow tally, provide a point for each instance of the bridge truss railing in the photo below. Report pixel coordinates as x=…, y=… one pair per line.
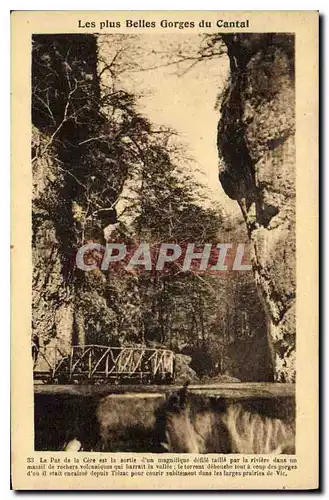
x=103, y=362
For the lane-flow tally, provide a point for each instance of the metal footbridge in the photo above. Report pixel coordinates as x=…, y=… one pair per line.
x=103, y=364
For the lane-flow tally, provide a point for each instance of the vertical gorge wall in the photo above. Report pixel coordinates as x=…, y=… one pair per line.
x=256, y=143
x=64, y=91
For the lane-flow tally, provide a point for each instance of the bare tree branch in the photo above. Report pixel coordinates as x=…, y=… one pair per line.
x=66, y=117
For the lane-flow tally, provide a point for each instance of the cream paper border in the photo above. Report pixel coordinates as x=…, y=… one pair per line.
x=305, y=26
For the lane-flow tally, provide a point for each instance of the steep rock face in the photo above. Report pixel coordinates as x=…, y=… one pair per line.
x=52, y=291
x=64, y=88
x=257, y=168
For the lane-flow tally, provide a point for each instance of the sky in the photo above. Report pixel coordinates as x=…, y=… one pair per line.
x=184, y=102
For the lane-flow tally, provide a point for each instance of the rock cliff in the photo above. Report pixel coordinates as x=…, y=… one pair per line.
x=64, y=91
x=256, y=143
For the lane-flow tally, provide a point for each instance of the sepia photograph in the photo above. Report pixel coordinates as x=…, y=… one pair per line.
x=163, y=241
